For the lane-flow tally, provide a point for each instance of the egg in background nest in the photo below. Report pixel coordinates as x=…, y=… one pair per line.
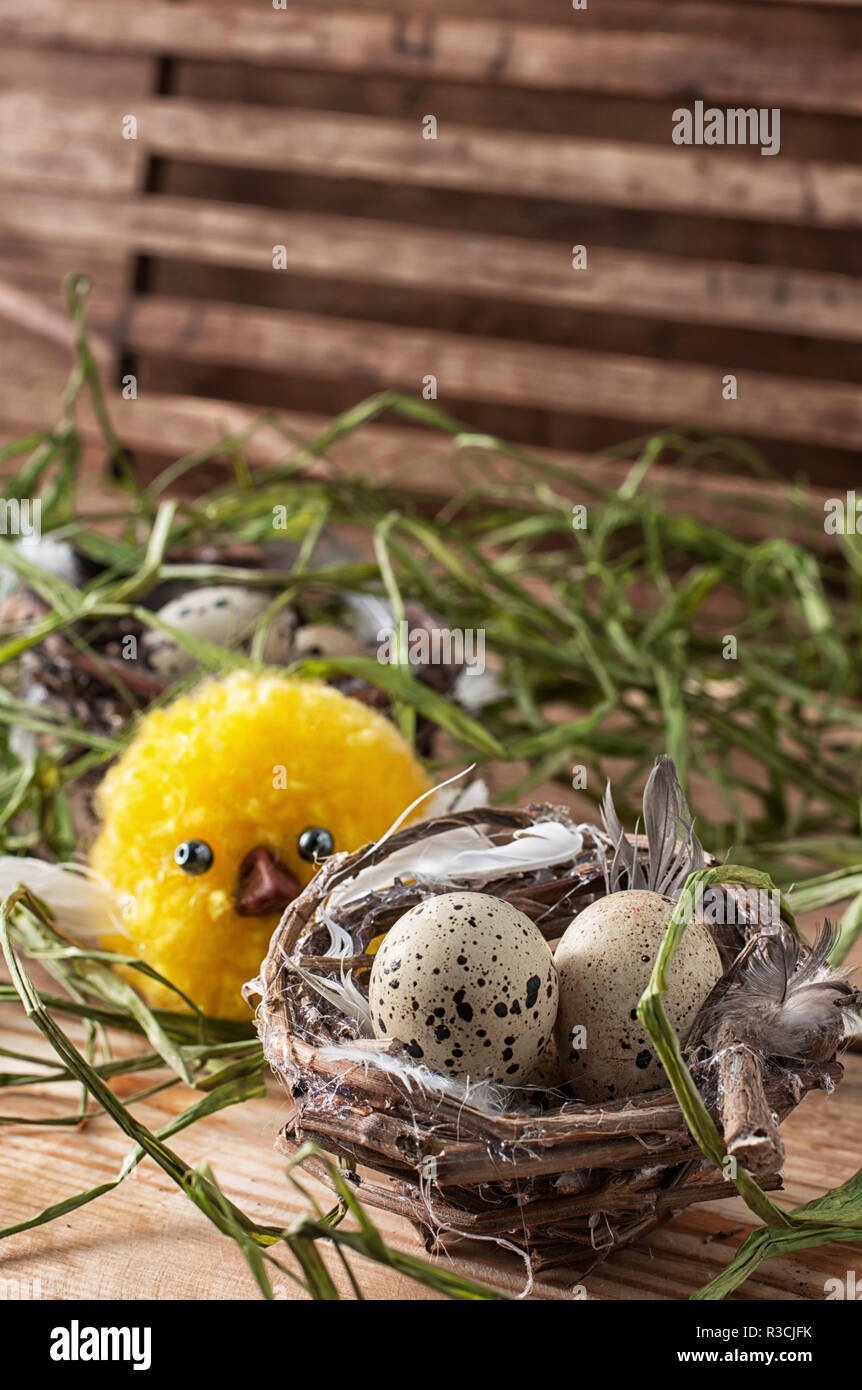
x=468, y=984
x=325, y=639
x=604, y=961
x=225, y=614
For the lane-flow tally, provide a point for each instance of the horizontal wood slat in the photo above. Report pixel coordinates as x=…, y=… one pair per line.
x=825, y=4
x=633, y=388
x=660, y=65
x=511, y=268
x=37, y=267
x=50, y=140
x=621, y=14
x=171, y=426
x=31, y=312
x=653, y=13
x=75, y=74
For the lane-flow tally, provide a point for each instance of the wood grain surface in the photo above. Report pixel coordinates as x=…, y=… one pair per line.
x=377, y=355
x=674, y=178
x=145, y=1239
x=365, y=250
x=466, y=49
x=304, y=128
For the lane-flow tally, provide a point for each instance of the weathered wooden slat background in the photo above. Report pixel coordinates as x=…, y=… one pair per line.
x=451, y=257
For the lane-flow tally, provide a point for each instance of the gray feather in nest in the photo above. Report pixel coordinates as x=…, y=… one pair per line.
x=784, y=1003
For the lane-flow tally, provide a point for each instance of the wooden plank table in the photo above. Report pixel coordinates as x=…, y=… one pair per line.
x=145, y=1240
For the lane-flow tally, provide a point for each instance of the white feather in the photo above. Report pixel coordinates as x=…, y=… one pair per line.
x=488, y=1096
x=474, y=689
x=852, y=1027
x=78, y=900
x=55, y=557
x=450, y=857
x=342, y=993
x=370, y=615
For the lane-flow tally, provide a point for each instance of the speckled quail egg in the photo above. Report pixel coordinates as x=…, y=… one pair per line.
x=225, y=614
x=604, y=962
x=279, y=638
x=326, y=639
x=468, y=984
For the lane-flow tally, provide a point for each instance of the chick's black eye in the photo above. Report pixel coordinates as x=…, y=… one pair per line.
x=193, y=856
x=315, y=843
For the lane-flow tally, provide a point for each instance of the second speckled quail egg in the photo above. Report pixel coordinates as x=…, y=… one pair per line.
x=468, y=984
x=604, y=961
x=279, y=638
x=325, y=639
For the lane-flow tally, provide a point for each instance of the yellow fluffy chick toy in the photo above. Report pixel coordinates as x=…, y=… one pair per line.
x=218, y=812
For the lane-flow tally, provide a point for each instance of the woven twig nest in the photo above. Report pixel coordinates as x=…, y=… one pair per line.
x=90, y=673
x=564, y=1180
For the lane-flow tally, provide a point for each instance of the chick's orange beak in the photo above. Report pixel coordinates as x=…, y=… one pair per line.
x=263, y=884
